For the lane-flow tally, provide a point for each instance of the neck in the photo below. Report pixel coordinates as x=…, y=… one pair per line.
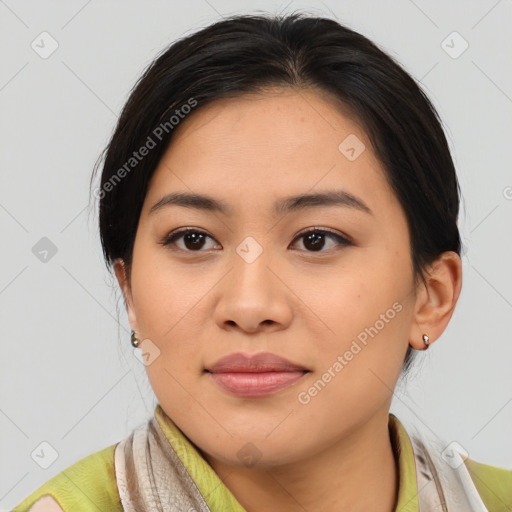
x=358, y=473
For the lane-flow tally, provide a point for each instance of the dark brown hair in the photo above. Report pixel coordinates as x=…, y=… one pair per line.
x=247, y=53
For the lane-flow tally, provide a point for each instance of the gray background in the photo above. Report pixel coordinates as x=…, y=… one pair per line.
x=68, y=374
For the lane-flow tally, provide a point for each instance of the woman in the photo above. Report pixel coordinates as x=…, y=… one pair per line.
x=279, y=205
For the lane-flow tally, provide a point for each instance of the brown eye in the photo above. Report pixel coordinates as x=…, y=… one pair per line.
x=314, y=240
x=193, y=239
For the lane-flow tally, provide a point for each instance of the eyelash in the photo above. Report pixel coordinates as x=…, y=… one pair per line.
x=172, y=237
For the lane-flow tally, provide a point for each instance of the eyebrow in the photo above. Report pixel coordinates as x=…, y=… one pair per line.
x=281, y=206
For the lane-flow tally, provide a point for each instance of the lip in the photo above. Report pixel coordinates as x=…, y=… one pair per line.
x=253, y=376
x=255, y=363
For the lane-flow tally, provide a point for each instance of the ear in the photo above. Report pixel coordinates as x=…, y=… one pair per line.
x=435, y=302
x=124, y=283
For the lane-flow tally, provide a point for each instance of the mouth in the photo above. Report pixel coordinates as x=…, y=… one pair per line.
x=254, y=376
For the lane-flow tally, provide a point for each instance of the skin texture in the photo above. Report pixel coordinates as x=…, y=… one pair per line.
x=334, y=452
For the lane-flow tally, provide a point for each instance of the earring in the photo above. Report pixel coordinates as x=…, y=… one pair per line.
x=425, y=340
x=135, y=341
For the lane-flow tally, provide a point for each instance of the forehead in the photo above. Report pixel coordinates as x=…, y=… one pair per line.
x=279, y=118
x=270, y=144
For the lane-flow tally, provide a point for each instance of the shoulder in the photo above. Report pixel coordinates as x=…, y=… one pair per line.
x=494, y=484
x=87, y=485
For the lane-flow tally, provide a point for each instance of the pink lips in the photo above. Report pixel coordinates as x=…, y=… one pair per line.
x=255, y=376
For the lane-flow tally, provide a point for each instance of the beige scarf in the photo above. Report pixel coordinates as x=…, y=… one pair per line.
x=151, y=477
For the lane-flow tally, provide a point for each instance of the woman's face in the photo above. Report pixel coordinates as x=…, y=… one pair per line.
x=254, y=279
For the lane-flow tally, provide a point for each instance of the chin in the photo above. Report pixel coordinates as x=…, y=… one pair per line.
x=252, y=453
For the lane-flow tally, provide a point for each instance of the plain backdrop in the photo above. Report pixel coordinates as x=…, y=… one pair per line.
x=69, y=378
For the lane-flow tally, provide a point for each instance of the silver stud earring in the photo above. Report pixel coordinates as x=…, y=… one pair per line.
x=135, y=341
x=425, y=340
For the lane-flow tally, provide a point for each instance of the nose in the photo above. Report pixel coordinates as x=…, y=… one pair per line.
x=253, y=296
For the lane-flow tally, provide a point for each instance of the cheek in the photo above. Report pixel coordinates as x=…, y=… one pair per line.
x=358, y=366
x=355, y=296
x=170, y=308
x=164, y=292
x=366, y=312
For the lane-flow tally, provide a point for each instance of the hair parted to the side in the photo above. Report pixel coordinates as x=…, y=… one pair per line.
x=248, y=53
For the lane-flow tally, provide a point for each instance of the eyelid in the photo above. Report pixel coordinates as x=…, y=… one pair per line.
x=323, y=230
x=174, y=235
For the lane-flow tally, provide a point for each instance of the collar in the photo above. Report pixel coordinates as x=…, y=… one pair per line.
x=219, y=498
x=407, y=482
